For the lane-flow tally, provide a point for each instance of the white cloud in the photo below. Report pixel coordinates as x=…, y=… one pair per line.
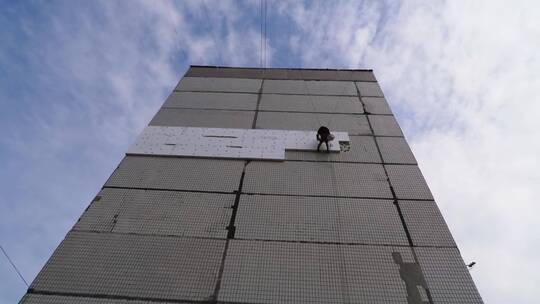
x=331, y=34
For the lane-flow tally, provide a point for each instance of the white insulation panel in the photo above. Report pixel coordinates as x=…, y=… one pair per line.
x=228, y=143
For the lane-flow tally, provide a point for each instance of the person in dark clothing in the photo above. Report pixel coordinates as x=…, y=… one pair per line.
x=324, y=135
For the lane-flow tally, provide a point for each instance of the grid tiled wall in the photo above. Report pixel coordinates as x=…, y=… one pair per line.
x=356, y=227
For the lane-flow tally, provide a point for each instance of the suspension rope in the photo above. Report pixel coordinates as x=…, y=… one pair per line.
x=265, y=33
x=212, y=31
x=261, y=31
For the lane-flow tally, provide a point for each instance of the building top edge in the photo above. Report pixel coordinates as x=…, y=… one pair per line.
x=257, y=68
x=280, y=73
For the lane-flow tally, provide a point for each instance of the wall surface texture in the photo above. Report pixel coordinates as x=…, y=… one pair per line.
x=359, y=226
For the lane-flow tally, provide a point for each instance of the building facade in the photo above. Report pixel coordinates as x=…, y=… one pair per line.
x=223, y=199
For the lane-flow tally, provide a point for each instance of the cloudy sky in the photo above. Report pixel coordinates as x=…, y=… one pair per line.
x=80, y=79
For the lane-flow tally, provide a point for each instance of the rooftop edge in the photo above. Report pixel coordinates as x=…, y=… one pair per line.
x=281, y=73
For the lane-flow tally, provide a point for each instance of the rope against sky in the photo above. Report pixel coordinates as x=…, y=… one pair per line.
x=263, y=31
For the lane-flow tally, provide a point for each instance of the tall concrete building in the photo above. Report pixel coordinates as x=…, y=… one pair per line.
x=224, y=199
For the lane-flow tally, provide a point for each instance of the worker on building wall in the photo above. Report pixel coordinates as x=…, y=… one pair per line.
x=324, y=135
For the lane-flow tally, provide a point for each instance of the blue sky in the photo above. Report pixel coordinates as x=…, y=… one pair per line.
x=80, y=79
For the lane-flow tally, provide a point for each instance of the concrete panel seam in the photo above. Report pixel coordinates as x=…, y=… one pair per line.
x=167, y=189
x=335, y=243
x=277, y=111
x=116, y=297
x=265, y=93
x=259, y=96
x=396, y=203
x=208, y=109
x=231, y=230
x=147, y=234
x=329, y=196
x=348, y=162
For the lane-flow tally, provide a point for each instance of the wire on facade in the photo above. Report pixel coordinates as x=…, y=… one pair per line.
x=14, y=267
